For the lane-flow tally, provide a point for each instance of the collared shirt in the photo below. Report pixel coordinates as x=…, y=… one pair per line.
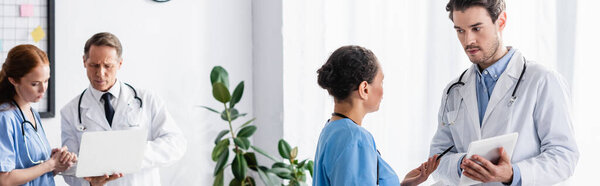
x=115, y=90
x=486, y=80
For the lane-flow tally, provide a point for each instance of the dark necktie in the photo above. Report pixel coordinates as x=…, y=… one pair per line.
x=109, y=111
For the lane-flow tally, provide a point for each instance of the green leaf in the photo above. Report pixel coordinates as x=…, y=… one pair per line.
x=274, y=178
x=218, y=179
x=224, y=114
x=294, y=183
x=294, y=153
x=234, y=113
x=310, y=166
x=238, y=115
x=266, y=179
x=249, y=181
x=251, y=160
x=221, y=162
x=219, y=74
x=239, y=166
x=237, y=94
x=223, y=145
x=220, y=135
x=246, y=142
x=279, y=170
x=237, y=150
x=210, y=109
x=282, y=172
x=242, y=142
x=263, y=168
x=284, y=149
x=247, y=131
x=247, y=122
x=301, y=176
x=280, y=165
x=301, y=164
x=235, y=182
x=263, y=153
x=221, y=93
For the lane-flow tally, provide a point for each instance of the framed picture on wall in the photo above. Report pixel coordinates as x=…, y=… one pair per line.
x=30, y=22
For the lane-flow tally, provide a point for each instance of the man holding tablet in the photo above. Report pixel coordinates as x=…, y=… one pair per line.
x=501, y=93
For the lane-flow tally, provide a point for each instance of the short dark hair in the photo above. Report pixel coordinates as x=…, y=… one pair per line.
x=103, y=39
x=493, y=7
x=345, y=69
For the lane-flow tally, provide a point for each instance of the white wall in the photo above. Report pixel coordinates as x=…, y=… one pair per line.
x=267, y=74
x=585, y=94
x=169, y=48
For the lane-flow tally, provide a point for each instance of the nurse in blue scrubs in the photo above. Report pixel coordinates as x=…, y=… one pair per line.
x=25, y=155
x=346, y=152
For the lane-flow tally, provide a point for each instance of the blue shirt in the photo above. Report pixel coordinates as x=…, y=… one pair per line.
x=486, y=81
x=347, y=155
x=14, y=154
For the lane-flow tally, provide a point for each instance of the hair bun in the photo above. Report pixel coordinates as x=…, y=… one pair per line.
x=345, y=69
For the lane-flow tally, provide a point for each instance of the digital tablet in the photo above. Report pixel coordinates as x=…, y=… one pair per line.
x=488, y=149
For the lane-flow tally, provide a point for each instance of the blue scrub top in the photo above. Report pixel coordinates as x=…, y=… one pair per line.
x=12, y=145
x=347, y=155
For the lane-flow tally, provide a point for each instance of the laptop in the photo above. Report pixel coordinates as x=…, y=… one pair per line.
x=108, y=152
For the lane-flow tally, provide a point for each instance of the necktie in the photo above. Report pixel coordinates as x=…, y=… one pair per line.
x=109, y=111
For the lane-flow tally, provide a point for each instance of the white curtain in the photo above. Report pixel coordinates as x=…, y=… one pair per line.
x=585, y=93
x=420, y=54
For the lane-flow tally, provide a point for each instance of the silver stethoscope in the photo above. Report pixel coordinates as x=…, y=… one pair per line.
x=446, y=121
x=25, y=138
x=81, y=127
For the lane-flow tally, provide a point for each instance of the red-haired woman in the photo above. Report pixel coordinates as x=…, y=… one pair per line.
x=25, y=155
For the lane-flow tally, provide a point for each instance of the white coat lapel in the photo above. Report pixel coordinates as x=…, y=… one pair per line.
x=505, y=84
x=92, y=111
x=125, y=97
x=469, y=96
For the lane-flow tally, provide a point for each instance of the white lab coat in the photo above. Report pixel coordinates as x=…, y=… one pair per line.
x=166, y=143
x=546, y=152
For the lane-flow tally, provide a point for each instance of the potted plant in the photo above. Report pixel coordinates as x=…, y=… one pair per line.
x=236, y=140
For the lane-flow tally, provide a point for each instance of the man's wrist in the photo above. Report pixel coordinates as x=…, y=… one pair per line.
x=93, y=184
x=510, y=179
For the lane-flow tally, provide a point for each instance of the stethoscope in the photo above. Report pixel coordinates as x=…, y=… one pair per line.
x=23, y=132
x=346, y=117
x=459, y=82
x=81, y=126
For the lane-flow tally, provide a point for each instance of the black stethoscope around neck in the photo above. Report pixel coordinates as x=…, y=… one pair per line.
x=513, y=97
x=346, y=117
x=25, y=121
x=135, y=96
